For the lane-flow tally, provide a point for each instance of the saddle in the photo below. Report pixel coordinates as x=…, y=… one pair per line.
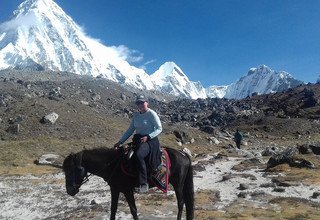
x=158, y=178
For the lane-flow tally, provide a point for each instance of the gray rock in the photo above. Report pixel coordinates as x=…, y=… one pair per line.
x=123, y=97
x=315, y=195
x=50, y=159
x=13, y=129
x=214, y=140
x=243, y=186
x=84, y=102
x=50, y=118
x=279, y=190
x=242, y=195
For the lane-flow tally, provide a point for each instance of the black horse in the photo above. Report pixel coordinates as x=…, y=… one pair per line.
x=105, y=163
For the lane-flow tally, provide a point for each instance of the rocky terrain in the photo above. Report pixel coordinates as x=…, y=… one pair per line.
x=274, y=175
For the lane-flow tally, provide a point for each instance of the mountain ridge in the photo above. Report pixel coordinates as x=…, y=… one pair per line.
x=52, y=39
x=259, y=80
x=40, y=35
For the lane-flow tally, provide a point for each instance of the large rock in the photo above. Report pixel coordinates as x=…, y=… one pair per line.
x=50, y=118
x=287, y=156
x=13, y=129
x=50, y=159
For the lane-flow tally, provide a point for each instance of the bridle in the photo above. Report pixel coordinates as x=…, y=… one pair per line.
x=79, y=157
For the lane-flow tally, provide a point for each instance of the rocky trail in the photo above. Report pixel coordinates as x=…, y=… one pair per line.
x=44, y=196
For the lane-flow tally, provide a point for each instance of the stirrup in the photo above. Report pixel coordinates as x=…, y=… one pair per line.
x=129, y=154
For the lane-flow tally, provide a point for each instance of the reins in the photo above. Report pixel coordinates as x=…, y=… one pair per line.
x=87, y=177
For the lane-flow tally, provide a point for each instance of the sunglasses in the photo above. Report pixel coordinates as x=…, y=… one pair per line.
x=139, y=103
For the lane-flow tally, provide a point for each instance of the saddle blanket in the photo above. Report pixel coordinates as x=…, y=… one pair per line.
x=161, y=177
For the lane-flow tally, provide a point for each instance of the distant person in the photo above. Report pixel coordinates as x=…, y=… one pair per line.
x=238, y=138
x=147, y=126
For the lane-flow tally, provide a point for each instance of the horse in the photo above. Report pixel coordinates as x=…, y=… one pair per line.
x=105, y=163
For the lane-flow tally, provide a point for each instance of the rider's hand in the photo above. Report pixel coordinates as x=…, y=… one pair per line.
x=117, y=145
x=144, y=139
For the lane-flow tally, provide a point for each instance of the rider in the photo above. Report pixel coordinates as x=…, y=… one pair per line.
x=147, y=127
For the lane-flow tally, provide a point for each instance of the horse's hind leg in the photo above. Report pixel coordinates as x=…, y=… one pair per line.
x=114, y=203
x=132, y=204
x=179, y=195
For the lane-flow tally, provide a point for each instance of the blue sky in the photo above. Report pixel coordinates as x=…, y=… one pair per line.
x=212, y=41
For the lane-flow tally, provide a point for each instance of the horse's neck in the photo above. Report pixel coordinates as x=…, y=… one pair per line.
x=97, y=163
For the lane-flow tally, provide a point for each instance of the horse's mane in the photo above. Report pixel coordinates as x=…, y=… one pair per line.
x=100, y=150
x=95, y=151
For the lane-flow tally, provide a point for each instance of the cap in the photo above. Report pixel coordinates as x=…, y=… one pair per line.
x=141, y=98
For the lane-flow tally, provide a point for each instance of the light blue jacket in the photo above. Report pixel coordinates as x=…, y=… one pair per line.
x=147, y=123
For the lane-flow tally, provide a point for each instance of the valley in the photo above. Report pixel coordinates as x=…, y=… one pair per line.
x=93, y=112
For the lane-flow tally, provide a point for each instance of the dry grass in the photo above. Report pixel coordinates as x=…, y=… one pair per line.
x=28, y=169
x=305, y=175
x=290, y=209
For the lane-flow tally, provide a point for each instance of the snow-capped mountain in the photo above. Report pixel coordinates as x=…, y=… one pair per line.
x=41, y=33
x=260, y=80
x=170, y=79
x=216, y=91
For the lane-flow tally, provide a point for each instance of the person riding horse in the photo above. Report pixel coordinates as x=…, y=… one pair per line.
x=147, y=126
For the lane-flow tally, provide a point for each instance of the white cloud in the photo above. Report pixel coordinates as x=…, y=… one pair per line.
x=144, y=66
x=149, y=62
x=131, y=56
x=23, y=20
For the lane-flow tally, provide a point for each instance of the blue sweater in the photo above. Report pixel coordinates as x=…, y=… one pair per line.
x=147, y=123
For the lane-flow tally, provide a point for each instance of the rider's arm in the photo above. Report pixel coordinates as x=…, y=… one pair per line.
x=157, y=126
x=128, y=133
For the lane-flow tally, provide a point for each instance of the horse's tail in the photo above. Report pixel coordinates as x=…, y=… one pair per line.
x=188, y=192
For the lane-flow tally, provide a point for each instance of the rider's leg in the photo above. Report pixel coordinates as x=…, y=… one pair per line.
x=140, y=154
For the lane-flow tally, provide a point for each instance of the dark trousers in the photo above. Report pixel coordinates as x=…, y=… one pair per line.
x=140, y=154
x=238, y=143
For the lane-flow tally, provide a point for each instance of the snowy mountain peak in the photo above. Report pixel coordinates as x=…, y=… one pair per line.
x=169, y=78
x=169, y=69
x=261, y=69
x=261, y=80
x=36, y=5
x=40, y=33
x=31, y=13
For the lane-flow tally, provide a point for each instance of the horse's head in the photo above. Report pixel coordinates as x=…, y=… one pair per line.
x=74, y=173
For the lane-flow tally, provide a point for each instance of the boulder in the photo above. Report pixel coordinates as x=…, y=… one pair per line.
x=287, y=156
x=13, y=129
x=50, y=118
x=50, y=159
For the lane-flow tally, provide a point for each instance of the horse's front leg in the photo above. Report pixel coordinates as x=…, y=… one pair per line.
x=114, y=203
x=132, y=204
